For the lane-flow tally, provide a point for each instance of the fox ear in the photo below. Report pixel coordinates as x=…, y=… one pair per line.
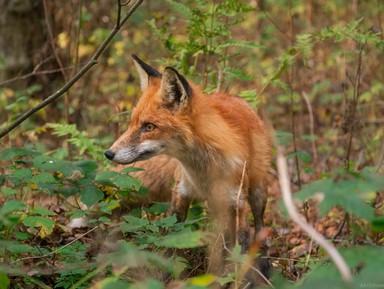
x=146, y=72
x=175, y=89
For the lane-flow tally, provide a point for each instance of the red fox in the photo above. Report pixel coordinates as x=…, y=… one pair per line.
x=218, y=140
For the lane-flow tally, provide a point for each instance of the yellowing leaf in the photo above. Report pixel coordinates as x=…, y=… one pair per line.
x=203, y=280
x=43, y=224
x=62, y=40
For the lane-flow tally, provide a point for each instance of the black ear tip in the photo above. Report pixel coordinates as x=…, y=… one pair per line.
x=134, y=56
x=171, y=69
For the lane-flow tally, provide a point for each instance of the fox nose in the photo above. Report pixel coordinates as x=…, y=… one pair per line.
x=109, y=154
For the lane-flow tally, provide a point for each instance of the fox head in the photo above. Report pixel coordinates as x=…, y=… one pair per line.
x=159, y=119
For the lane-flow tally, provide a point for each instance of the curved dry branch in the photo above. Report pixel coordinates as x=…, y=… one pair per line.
x=79, y=74
x=294, y=215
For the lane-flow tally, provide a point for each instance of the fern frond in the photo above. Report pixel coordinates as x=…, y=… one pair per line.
x=239, y=43
x=183, y=9
x=64, y=129
x=238, y=73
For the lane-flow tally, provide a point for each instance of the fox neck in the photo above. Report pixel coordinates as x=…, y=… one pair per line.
x=208, y=151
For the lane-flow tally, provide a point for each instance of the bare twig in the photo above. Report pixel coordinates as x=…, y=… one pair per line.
x=33, y=73
x=294, y=215
x=76, y=77
x=59, y=249
x=51, y=41
x=311, y=124
x=290, y=76
x=353, y=109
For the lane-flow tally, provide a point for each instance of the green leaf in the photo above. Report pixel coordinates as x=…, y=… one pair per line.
x=86, y=166
x=166, y=222
x=148, y=284
x=366, y=261
x=378, y=225
x=182, y=240
x=42, y=211
x=43, y=178
x=11, y=206
x=127, y=182
x=158, y=208
x=133, y=224
x=4, y=281
x=25, y=174
x=17, y=248
x=52, y=164
x=304, y=156
x=12, y=153
x=347, y=191
x=8, y=191
x=90, y=195
x=44, y=224
x=106, y=175
x=113, y=283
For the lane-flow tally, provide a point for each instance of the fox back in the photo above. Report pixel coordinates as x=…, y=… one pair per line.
x=221, y=144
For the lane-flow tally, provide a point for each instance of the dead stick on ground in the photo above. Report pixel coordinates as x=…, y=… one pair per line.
x=54, y=252
x=78, y=75
x=294, y=215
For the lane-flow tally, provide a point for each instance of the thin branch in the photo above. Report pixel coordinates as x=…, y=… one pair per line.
x=76, y=77
x=59, y=249
x=51, y=41
x=352, y=116
x=340, y=263
x=311, y=124
x=33, y=73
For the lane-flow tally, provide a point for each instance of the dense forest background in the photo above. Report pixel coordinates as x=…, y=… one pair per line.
x=313, y=70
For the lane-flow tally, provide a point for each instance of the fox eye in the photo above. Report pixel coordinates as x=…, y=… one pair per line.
x=148, y=127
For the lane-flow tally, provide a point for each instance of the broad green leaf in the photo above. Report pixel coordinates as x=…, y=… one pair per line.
x=158, y=208
x=25, y=174
x=106, y=175
x=182, y=240
x=127, y=182
x=148, y=284
x=42, y=211
x=132, y=224
x=52, y=164
x=304, y=156
x=17, y=248
x=11, y=206
x=44, y=224
x=4, y=281
x=349, y=191
x=8, y=191
x=166, y=222
x=378, y=225
x=113, y=283
x=366, y=261
x=43, y=178
x=87, y=166
x=11, y=153
x=90, y=195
